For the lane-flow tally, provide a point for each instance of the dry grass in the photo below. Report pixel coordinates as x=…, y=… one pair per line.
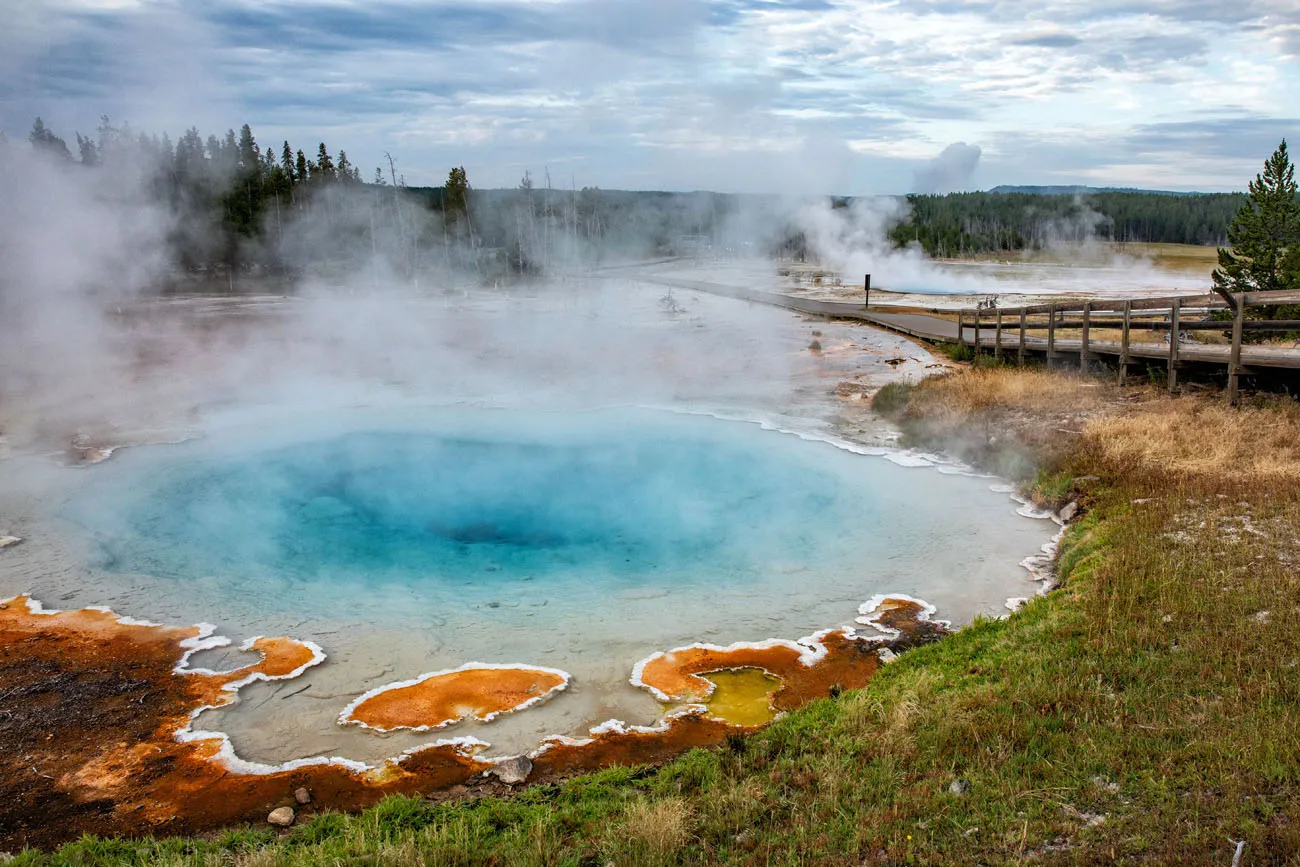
x=1201, y=436
x=981, y=389
x=1178, y=257
x=1192, y=436
x=652, y=831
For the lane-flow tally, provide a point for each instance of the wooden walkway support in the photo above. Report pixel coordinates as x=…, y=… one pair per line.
x=1020, y=347
x=1234, y=357
x=1083, y=344
x=1174, y=310
x=1123, y=344
x=1051, y=335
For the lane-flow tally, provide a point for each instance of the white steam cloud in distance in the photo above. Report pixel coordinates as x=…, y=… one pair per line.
x=855, y=241
x=951, y=171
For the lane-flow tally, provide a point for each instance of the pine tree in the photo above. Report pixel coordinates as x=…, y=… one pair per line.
x=286, y=163
x=189, y=155
x=457, y=200
x=324, y=164
x=1264, y=238
x=250, y=156
x=45, y=141
x=89, y=150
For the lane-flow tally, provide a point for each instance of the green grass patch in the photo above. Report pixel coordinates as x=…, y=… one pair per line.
x=892, y=398
x=956, y=351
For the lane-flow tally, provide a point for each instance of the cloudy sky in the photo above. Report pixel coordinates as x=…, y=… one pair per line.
x=836, y=96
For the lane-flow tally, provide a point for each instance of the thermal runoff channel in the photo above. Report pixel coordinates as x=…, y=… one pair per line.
x=577, y=542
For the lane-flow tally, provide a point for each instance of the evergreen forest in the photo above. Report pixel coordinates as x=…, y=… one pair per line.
x=237, y=206
x=964, y=224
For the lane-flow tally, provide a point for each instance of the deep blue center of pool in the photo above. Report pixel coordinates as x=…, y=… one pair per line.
x=633, y=502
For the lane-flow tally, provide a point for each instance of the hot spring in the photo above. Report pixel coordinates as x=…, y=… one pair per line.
x=421, y=540
x=450, y=483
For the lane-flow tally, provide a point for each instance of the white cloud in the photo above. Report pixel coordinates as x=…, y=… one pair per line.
x=876, y=88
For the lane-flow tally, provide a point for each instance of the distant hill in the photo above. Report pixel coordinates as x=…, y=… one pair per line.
x=1083, y=191
x=1019, y=218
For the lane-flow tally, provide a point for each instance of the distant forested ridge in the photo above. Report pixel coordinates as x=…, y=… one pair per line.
x=964, y=223
x=234, y=205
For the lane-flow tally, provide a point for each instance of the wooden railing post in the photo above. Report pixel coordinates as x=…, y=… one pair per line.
x=961, y=328
x=1173, y=344
x=1020, y=350
x=977, y=331
x=1123, y=344
x=997, y=338
x=1083, y=345
x=1051, y=334
x=1234, y=357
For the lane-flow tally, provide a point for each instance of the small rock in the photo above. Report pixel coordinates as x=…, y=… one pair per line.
x=959, y=788
x=9, y=541
x=1091, y=820
x=1106, y=785
x=513, y=770
x=1168, y=618
x=1262, y=616
x=281, y=817
x=886, y=655
x=1068, y=511
x=302, y=796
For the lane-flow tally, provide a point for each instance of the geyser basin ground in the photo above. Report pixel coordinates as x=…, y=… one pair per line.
x=405, y=543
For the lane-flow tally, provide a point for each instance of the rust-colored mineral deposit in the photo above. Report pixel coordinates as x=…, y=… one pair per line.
x=481, y=692
x=96, y=714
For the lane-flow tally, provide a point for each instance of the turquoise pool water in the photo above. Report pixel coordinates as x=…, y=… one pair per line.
x=485, y=505
x=585, y=541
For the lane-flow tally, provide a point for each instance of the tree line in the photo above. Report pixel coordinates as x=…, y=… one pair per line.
x=223, y=192
x=961, y=224
x=237, y=205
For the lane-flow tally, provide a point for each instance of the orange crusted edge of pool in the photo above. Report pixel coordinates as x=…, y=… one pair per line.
x=473, y=691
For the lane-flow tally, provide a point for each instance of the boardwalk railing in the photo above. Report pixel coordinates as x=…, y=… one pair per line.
x=1006, y=329
x=1176, y=315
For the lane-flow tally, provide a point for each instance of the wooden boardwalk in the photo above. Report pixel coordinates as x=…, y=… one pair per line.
x=1006, y=331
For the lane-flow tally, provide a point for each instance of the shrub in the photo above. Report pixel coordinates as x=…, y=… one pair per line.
x=892, y=399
